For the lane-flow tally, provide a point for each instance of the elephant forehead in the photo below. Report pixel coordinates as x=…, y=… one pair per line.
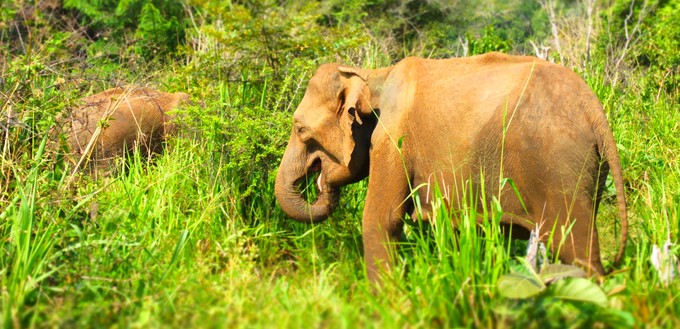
x=318, y=101
x=313, y=114
x=325, y=84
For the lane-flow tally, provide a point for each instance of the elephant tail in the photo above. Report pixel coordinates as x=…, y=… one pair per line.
x=607, y=149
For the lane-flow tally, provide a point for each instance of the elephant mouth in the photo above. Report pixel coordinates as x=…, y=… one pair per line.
x=312, y=183
x=307, y=197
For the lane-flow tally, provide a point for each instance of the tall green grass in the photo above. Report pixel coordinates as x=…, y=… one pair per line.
x=180, y=241
x=28, y=247
x=194, y=238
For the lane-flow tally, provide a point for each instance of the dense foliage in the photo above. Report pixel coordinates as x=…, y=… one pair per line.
x=194, y=237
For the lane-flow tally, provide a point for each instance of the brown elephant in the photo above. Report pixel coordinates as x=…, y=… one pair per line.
x=112, y=122
x=454, y=121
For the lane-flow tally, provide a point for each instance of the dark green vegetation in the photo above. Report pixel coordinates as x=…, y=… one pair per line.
x=195, y=239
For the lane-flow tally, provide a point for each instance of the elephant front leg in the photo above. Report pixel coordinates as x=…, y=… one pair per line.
x=382, y=224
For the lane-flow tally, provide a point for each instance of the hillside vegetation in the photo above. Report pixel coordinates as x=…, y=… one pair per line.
x=194, y=237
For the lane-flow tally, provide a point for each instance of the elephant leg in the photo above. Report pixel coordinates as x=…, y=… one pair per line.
x=382, y=224
x=581, y=246
x=589, y=257
x=583, y=243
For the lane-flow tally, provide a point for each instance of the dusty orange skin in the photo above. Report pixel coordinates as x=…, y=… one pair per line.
x=493, y=115
x=119, y=119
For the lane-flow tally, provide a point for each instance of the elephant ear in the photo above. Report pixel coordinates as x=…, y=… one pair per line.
x=356, y=95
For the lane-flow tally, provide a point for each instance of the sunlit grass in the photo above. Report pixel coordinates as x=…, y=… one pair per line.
x=194, y=238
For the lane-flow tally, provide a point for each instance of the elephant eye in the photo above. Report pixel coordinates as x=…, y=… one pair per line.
x=302, y=132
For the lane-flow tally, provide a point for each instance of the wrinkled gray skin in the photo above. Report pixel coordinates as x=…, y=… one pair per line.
x=460, y=120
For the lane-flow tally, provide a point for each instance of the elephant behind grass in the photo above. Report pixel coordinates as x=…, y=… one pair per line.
x=113, y=123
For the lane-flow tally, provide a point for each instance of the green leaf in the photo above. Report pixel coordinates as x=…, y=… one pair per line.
x=400, y=141
x=517, y=285
x=579, y=290
x=618, y=318
x=554, y=272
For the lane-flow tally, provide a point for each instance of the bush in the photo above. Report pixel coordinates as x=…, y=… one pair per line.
x=489, y=41
x=157, y=27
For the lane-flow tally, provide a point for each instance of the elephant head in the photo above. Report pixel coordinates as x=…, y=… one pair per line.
x=331, y=137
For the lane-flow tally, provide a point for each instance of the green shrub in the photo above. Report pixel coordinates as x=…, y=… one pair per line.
x=661, y=49
x=489, y=41
x=157, y=26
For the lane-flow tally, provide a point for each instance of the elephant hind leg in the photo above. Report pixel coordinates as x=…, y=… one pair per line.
x=580, y=246
x=574, y=251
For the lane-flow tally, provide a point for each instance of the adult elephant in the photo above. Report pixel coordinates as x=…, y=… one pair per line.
x=454, y=121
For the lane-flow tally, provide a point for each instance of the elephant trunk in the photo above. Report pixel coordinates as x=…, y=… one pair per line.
x=291, y=172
